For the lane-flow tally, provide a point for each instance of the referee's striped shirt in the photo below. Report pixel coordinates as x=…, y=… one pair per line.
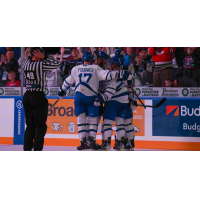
x=35, y=72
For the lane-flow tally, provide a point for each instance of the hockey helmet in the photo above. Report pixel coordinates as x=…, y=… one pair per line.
x=116, y=60
x=120, y=54
x=87, y=56
x=103, y=55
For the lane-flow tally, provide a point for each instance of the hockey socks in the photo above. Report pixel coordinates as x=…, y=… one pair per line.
x=129, y=129
x=93, y=126
x=119, y=122
x=82, y=126
x=107, y=129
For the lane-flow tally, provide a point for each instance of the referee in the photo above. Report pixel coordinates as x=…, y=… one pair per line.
x=34, y=100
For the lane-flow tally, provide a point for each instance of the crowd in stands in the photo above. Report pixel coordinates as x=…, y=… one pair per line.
x=153, y=66
x=9, y=66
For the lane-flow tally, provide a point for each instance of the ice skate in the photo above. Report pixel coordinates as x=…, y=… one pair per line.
x=120, y=145
x=106, y=145
x=92, y=145
x=83, y=145
x=129, y=146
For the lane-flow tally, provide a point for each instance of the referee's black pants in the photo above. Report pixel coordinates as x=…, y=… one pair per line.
x=36, y=110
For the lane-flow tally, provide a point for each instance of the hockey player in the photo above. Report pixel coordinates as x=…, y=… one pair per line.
x=129, y=136
x=116, y=98
x=102, y=59
x=87, y=77
x=129, y=139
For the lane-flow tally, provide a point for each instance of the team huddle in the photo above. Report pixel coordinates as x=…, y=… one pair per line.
x=100, y=92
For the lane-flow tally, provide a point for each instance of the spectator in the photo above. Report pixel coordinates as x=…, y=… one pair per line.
x=132, y=50
x=175, y=84
x=144, y=67
x=76, y=60
x=81, y=50
x=55, y=78
x=16, y=50
x=168, y=83
x=12, y=82
x=178, y=64
x=3, y=77
x=190, y=68
x=163, y=57
x=8, y=63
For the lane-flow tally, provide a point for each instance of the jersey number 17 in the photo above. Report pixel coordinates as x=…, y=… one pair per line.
x=85, y=75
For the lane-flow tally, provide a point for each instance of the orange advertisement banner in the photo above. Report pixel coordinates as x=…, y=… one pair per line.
x=62, y=120
x=139, y=120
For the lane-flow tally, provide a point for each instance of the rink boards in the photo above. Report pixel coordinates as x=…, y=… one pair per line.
x=175, y=125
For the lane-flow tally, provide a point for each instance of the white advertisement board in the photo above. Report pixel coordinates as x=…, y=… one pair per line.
x=6, y=117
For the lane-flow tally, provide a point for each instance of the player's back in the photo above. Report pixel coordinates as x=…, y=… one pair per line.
x=87, y=78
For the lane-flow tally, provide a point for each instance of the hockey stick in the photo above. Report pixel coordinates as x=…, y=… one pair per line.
x=157, y=105
x=53, y=105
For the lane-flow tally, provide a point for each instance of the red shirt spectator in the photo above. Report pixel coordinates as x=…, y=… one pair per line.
x=163, y=58
x=69, y=58
x=13, y=84
x=162, y=55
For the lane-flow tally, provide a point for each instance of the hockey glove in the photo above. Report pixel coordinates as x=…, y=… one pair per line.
x=61, y=93
x=133, y=105
x=130, y=82
x=99, y=100
x=125, y=75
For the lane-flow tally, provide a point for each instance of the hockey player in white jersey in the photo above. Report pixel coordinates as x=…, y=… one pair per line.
x=129, y=141
x=86, y=77
x=129, y=137
x=102, y=61
x=116, y=98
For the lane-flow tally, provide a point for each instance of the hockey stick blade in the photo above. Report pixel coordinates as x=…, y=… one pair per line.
x=53, y=105
x=157, y=105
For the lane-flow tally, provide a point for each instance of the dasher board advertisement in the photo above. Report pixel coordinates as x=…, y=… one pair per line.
x=62, y=120
x=177, y=118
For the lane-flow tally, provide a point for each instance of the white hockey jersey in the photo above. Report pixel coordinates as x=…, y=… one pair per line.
x=130, y=92
x=87, y=78
x=116, y=90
